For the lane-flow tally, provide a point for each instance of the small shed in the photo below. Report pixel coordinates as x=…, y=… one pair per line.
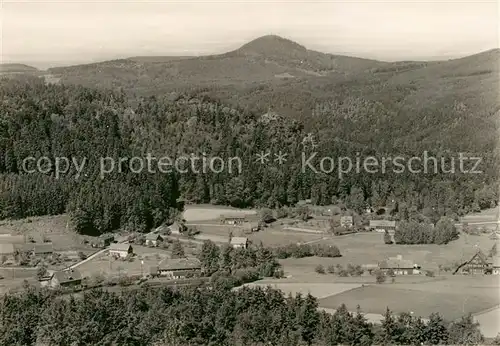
x=153, y=239
x=239, y=242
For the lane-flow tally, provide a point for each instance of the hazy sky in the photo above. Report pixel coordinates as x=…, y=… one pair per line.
x=46, y=33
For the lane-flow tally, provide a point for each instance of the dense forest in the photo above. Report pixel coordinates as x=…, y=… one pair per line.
x=200, y=316
x=38, y=120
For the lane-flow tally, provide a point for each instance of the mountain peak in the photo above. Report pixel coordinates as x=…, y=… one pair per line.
x=271, y=45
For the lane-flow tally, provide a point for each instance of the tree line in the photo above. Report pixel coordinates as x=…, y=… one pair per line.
x=76, y=122
x=202, y=316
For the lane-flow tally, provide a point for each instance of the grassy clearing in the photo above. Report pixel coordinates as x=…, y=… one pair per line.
x=207, y=212
x=58, y=229
x=376, y=299
x=369, y=248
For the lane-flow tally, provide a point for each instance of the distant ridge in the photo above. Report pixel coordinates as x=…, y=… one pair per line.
x=12, y=68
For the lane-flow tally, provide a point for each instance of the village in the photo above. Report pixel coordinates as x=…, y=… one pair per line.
x=370, y=260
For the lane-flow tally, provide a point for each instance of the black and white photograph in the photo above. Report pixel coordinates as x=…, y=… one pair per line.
x=249, y=172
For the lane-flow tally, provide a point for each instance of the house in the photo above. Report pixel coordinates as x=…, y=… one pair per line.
x=66, y=278
x=399, y=266
x=477, y=264
x=239, y=242
x=232, y=219
x=103, y=240
x=7, y=253
x=178, y=268
x=153, y=239
x=175, y=228
x=346, y=221
x=43, y=249
x=382, y=226
x=121, y=250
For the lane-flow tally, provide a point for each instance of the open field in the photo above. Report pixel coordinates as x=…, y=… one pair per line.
x=489, y=322
x=376, y=299
x=208, y=212
x=56, y=228
x=369, y=248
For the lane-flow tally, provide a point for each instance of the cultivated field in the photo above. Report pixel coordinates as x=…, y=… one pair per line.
x=376, y=298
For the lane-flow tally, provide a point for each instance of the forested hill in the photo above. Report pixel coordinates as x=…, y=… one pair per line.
x=76, y=122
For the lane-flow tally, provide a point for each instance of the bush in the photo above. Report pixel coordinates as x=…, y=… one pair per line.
x=320, y=269
x=380, y=277
x=331, y=269
x=429, y=273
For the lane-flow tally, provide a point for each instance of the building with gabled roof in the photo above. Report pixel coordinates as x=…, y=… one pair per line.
x=233, y=218
x=477, y=264
x=153, y=239
x=177, y=268
x=399, y=266
x=121, y=250
x=66, y=278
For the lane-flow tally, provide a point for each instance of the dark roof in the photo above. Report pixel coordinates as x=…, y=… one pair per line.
x=66, y=276
x=180, y=264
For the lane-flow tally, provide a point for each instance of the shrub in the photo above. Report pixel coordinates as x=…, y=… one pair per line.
x=429, y=273
x=331, y=269
x=320, y=269
x=380, y=277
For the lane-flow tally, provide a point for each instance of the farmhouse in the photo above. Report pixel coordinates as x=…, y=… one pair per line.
x=346, y=221
x=66, y=278
x=121, y=250
x=399, y=266
x=179, y=268
x=239, y=242
x=103, y=240
x=232, y=219
x=478, y=264
x=175, y=228
x=43, y=249
x=382, y=226
x=153, y=239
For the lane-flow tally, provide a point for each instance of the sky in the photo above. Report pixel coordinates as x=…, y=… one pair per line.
x=53, y=33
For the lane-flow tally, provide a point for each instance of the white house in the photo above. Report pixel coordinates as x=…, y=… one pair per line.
x=153, y=239
x=121, y=250
x=239, y=242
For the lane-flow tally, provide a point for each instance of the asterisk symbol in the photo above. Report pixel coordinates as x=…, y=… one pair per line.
x=280, y=157
x=263, y=157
